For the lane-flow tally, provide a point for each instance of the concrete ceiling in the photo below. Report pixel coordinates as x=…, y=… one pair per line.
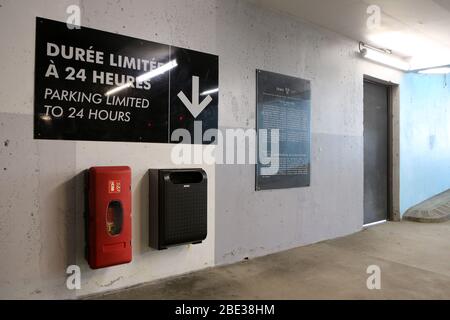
x=416, y=29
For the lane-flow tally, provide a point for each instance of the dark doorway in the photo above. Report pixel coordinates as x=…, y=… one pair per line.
x=376, y=152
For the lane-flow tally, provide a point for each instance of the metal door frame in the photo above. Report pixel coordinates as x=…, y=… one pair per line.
x=393, y=92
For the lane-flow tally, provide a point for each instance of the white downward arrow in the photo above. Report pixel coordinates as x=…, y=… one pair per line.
x=194, y=107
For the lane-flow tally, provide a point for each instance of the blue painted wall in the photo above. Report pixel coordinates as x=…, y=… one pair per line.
x=424, y=137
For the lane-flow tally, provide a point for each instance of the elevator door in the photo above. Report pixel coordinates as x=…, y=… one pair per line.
x=376, y=145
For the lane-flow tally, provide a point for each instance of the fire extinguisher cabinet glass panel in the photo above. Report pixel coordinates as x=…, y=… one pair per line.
x=178, y=207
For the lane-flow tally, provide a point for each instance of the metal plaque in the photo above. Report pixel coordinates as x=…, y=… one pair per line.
x=283, y=104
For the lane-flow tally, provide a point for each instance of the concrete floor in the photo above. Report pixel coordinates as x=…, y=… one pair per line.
x=414, y=259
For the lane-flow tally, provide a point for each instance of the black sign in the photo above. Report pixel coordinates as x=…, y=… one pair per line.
x=283, y=103
x=96, y=85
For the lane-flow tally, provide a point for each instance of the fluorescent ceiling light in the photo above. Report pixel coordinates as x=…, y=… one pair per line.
x=442, y=70
x=423, y=52
x=387, y=59
x=117, y=89
x=146, y=76
x=156, y=72
x=205, y=93
x=46, y=117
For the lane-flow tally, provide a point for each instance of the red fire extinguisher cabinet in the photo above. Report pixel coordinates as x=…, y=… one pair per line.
x=108, y=219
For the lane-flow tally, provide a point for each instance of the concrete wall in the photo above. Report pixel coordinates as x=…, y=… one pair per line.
x=425, y=137
x=40, y=184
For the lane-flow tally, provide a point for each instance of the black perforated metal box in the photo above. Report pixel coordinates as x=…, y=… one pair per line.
x=178, y=207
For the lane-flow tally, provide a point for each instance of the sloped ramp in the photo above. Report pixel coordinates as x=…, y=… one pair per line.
x=435, y=209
